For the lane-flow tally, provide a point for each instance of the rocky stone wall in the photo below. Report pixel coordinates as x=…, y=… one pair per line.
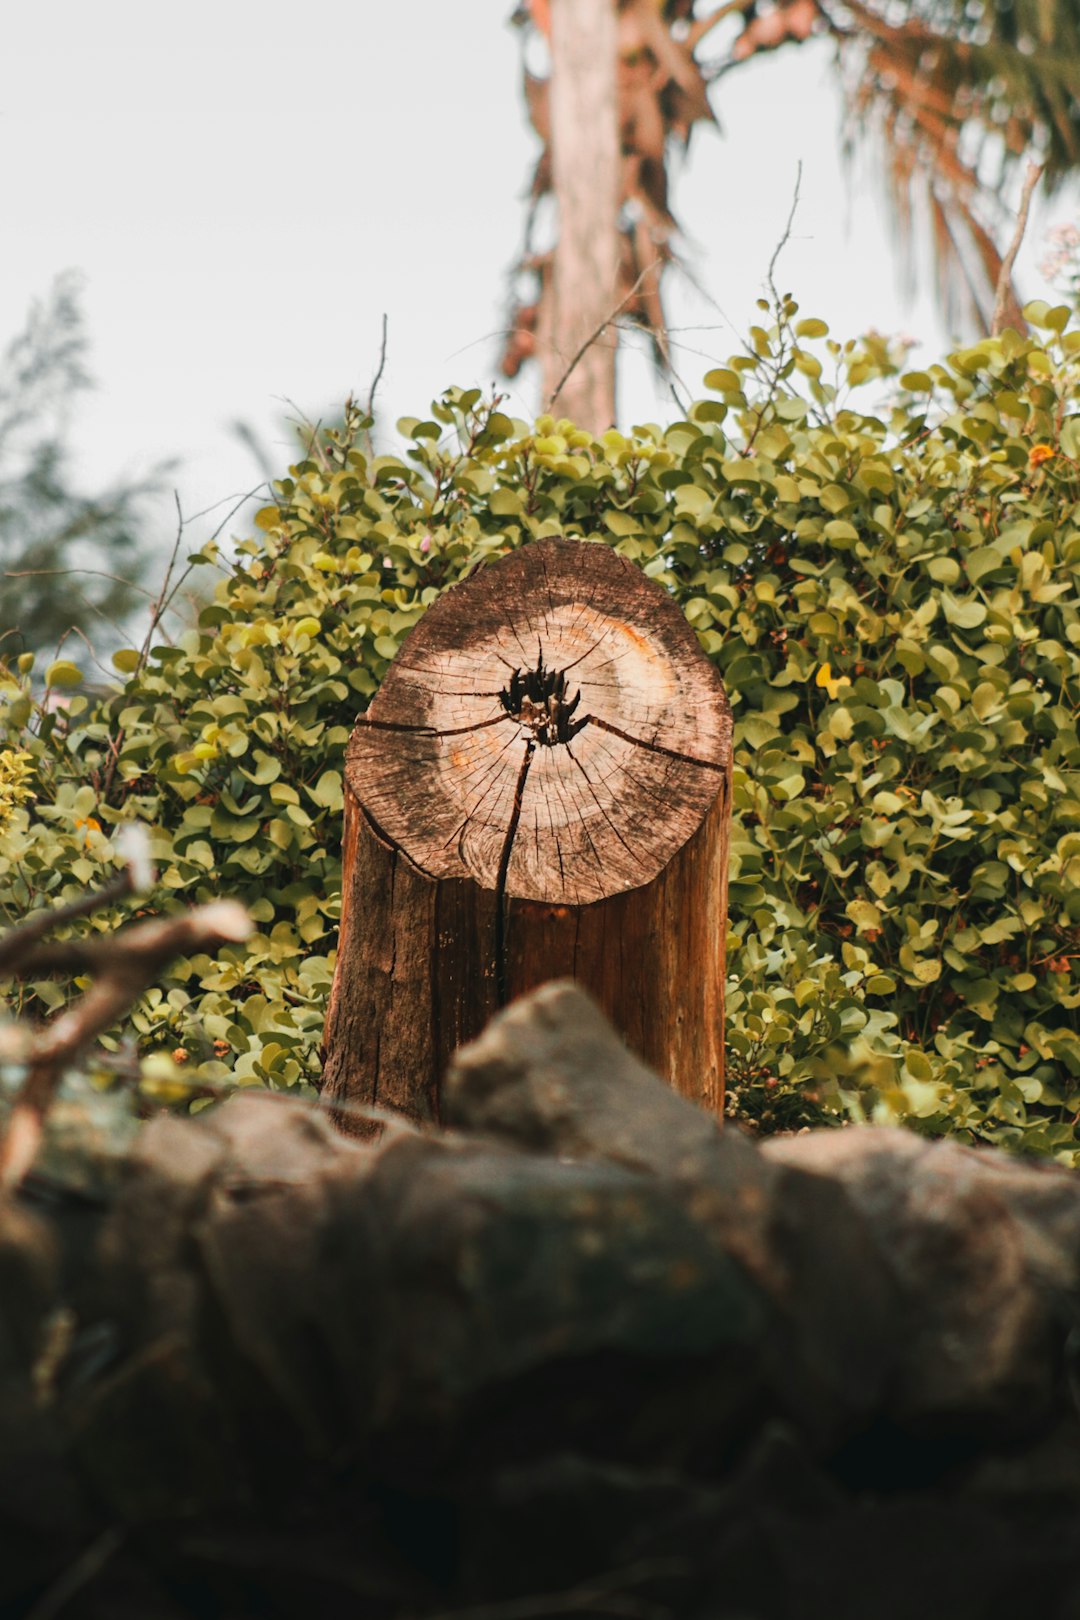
x=578, y=1352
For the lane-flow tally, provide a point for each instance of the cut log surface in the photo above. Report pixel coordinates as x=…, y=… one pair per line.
x=540, y=788
x=553, y=731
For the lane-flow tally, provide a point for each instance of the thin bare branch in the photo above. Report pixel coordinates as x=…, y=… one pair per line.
x=162, y=604
x=19, y=944
x=95, y=573
x=110, y=953
x=74, y=630
x=304, y=425
x=158, y=609
x=126, y=964
x=158, y=605
x=1004, y=283
x=599, y=332
x=240, y=501
x=786, y=238
x=377, y=379
x=237, y=500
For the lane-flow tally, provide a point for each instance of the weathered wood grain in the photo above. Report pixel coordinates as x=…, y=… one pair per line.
x=540, y=788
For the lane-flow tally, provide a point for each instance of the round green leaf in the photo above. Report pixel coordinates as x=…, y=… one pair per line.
x=63, y=673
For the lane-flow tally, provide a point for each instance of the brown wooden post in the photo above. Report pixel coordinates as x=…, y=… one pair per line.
x=540, y=788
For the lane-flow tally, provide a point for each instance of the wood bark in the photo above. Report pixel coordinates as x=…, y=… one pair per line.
x=541, y=788
x=585, y=173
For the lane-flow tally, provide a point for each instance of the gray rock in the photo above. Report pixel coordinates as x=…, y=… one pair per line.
x=550, y=1074
x=986, y=1253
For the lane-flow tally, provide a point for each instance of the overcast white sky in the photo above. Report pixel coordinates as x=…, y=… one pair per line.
x=246, y=186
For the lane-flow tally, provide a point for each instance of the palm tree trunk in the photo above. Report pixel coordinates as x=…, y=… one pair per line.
x=581, y=293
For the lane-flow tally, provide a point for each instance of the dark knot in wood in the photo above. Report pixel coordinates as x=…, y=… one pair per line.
x=537, y=699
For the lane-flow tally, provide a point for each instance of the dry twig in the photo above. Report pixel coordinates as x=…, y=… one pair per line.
x=786, y=237
x=1003, y=294
x=380, y=368
x=124, y=964
x=18, y=945
x=369, y=410
x=599, y=332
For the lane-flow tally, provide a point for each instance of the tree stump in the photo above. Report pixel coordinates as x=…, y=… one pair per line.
x=540, y=789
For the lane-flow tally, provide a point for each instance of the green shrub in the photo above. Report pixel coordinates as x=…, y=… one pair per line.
x=889, y=590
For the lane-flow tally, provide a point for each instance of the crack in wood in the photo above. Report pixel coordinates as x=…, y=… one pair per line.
x=433, y=731
x=601, y=807
x=501, y=978
x=494, y=778
x=653, y=747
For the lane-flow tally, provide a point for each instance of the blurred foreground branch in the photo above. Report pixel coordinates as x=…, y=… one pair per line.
x=122, y=965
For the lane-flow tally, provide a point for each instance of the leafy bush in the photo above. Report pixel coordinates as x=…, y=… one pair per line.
x=889, y=590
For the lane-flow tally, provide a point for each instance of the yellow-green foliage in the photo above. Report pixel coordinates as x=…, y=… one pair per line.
x=885, y=572
x=16, y=771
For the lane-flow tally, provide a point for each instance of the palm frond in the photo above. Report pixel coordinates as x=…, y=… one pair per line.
x=961, y=93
